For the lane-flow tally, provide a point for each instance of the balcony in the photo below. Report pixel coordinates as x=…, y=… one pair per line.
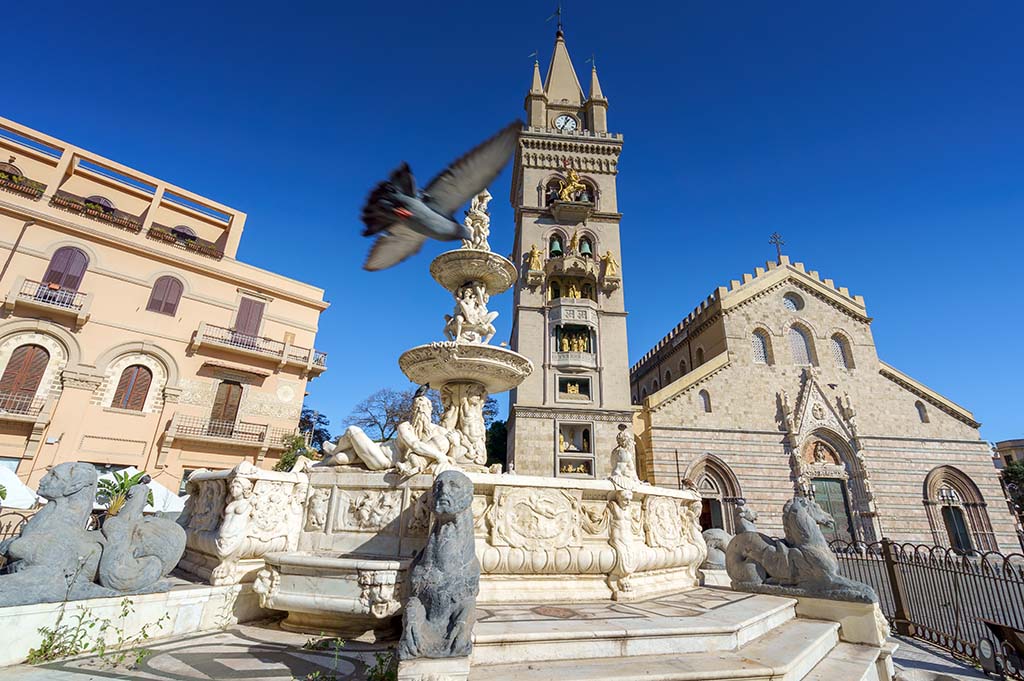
x=573, y=311
x=49, y=298
x=309, y=361
x=22, y=185
x=186, y=242
x=82, y=206
x=19, y=407
x=237, y=433
x=574, y=360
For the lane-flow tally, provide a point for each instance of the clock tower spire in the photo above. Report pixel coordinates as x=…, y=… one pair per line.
x=569, y=315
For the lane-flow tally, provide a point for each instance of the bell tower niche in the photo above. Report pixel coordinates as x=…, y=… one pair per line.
x=569, y=316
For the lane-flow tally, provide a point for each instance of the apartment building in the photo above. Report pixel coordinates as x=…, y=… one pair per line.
x=129, y=333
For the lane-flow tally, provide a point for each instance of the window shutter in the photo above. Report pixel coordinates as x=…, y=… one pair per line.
x=76, y=270
x=67, y=267
x=158, y=295
x=58, y=267
x=173, y=296
x=25, y=370
x=250, y=313
x=225, y=405
x=140, y=388
x=123, y=388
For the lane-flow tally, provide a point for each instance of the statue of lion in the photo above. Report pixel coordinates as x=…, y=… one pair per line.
x=801, y=564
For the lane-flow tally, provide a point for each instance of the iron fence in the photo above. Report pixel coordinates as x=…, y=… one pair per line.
x=52, y=294
x=947, y=598
x=20, y=404
x=228, y=430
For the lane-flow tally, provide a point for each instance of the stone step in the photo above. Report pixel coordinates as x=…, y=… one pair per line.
x=787, y=653
x=847, y=662
x=700, y=620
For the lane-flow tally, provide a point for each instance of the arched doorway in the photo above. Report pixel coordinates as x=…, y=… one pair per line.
x=957, y=512
x=21, y=378
x=719, y=490
x=827, y=470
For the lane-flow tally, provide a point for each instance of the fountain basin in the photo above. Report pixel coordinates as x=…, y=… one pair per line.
x=497, y=369
x=454, y=269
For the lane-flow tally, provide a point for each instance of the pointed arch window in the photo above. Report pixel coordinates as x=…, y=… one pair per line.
x=67, y=268
x=133, y=388
x=957, y=512
x=655, y=386
x=165, y=295
x=705, y=401
x=21, y=378
x=922, y=411
x=682, y=368
x=841, y=351
x=668, y=377
x=799, y=346
x=759, y=346
x=699, y=358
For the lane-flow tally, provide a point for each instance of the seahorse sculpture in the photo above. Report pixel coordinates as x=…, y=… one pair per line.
x=139, y=551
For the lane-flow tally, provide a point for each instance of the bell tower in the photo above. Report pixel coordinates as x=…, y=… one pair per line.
x=569, y=316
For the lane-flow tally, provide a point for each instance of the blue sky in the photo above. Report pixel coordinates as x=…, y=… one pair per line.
x=884, y=140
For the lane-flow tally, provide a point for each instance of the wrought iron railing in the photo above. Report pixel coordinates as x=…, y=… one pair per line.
x=238, y=431
x=20, y=184
x=20, y=404
x=52, y=294
x=12, y=521
x=83, y=206
x=943, y=596
x=185, y=242
x=267, y=346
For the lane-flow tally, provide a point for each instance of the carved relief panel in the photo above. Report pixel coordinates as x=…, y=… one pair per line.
x=535, y=519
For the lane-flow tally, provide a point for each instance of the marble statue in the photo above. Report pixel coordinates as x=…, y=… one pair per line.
x=139, y=551
x=717, y=541
x=479, y=222
x=421, y=445
x=445, y=579
x=801, y=564
x=56, y=558
x=534, y=261
x=623, y=532
x=471, y=321
x=611, y=265
x=624, y=461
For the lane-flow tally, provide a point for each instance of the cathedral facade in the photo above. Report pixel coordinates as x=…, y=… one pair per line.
x=773, y=387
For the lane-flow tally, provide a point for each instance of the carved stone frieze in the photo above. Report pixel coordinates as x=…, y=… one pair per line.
x=419, y=514
x=535, y=518
x=317, y=507
x=378, y=592
x=368, y=511
x=662, y=523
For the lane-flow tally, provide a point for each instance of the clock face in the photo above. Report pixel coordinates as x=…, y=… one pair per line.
x=565, y=123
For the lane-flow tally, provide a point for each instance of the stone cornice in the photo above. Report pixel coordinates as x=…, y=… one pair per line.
x=673, y=391
x=81, y=379
x=574, y=414
x=532, y=211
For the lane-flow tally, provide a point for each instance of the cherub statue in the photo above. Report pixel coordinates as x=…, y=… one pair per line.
x=624, y=460
x=534, y=262
x=479, y=222
x=611, y=266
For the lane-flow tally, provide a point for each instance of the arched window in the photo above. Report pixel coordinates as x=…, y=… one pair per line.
x=668, y=377
x=67, y=267
x=183, y=233
x=132, y=388
x=101, y=201
x=586, y=247
x=635, y=400
x=655, y=386
x=555, y=246
x=555, y=290
x=792, y=302
x=922, y=413
x=643, y=394
x=957, y=512
x=841, y=351
x=799, y=346
x=21, y=378
x=700, y=357
x=759, y=346
x=705, y=401
x=682, y=368
x=165, y=295
x=11, y=170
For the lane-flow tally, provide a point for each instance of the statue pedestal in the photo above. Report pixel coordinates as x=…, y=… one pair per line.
x=571, y=212
x=426, y=669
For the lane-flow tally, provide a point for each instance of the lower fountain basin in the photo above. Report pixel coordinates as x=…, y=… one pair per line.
x=497, y=369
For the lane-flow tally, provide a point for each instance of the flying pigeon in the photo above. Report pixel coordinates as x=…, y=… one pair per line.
x=404, y=217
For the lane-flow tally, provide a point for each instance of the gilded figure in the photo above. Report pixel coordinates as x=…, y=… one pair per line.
x=611, y=266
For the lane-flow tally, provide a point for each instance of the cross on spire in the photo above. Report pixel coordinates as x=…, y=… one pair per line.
x=776, y=240
x=557, y=13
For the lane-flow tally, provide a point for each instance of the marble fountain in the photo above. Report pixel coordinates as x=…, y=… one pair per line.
x=330, y=543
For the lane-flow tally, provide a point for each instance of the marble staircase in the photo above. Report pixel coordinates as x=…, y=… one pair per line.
x=701, y=634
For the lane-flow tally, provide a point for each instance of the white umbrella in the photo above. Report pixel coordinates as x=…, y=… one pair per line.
x=164, y=500
x=19, y=495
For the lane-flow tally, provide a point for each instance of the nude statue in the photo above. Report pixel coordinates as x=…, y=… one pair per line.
x=420, y=445
x=471, y=321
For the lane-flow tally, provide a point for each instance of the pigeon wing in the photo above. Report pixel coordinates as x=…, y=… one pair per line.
x=392, y=247
x=470, y=174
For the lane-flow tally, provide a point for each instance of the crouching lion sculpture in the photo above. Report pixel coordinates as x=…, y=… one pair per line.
x=801, y=564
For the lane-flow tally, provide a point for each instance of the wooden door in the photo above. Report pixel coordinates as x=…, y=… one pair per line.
x=21, y=378
x=831, y=496
x=250, y=314
x=225, y=408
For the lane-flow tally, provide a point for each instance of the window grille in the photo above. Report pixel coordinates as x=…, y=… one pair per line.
x=759, y=345
x=799, y=346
